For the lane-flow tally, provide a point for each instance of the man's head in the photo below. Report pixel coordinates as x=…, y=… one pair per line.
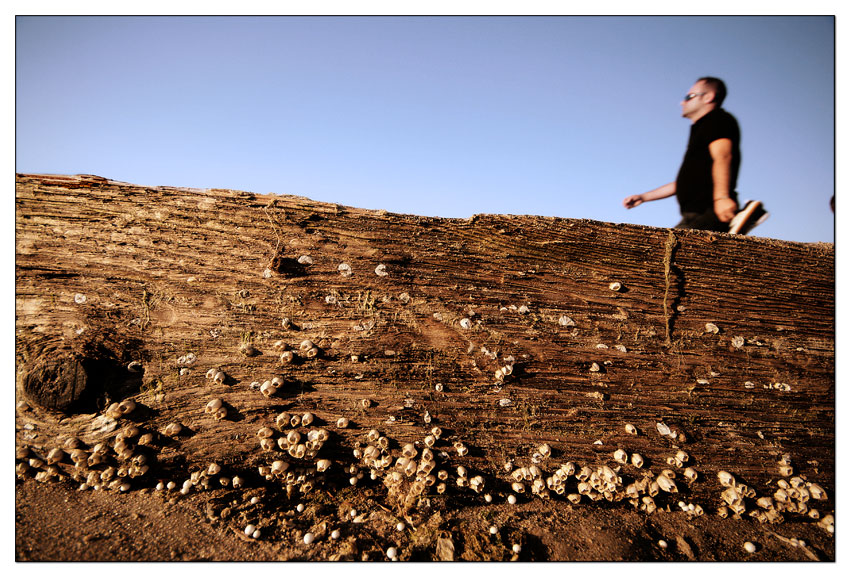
x=704, y=96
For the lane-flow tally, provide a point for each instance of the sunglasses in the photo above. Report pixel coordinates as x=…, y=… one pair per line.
x=693, y=95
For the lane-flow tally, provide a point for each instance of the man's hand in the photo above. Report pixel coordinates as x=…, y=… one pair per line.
x=725, y=209
x=633, y=200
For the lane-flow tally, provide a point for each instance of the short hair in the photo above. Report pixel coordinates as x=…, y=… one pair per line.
x=717, y=86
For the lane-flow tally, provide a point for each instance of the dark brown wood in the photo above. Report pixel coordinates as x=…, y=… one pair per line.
x=118, y=273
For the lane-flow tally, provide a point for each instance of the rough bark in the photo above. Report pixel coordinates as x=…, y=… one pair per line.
x=111, y=273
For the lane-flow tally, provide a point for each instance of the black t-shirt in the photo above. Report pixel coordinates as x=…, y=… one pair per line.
x=694, y=185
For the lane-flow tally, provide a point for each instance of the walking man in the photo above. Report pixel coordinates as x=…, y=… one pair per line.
x=705, y=185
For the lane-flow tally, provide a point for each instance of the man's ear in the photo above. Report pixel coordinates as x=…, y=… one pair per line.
x=709, y=97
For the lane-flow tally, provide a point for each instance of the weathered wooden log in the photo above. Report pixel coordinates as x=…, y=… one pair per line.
x=506, y=331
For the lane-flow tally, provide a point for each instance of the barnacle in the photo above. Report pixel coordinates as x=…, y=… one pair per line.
x=726, y=479
x=126, y=406
x=55, y=456
x=306, y=345
x=666, y=484
x=293, y=437
x=816, y=491
x=566, y=321
x=248, y=350
x=621, y=456
x=665, y=431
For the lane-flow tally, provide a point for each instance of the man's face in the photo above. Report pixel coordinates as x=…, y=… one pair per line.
x=697, y=102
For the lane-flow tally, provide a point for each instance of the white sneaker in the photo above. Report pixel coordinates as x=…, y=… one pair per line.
x=752, y=215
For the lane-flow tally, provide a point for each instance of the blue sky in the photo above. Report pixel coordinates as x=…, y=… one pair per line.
x=437, y=116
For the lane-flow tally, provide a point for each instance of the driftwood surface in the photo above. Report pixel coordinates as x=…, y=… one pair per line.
x=109, y=273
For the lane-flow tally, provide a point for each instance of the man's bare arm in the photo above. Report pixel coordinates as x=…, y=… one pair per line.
x=721, y=172
x=665, y=191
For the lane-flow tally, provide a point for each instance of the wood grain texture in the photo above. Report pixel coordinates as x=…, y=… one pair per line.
x=125, y=273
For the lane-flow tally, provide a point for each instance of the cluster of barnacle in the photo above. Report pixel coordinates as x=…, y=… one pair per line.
x=522, y=309
x=186, y=360
x=602, y=482
x=217, y=376
x=827, y=523
x=297, y=444
x=103, y=466
x=203, y=479
x=409, y=475
x=216, y=408
x=269, y=387
x=603, y=346
x=306, y=349
x=409, y=479
x=501, y=373
x=533, y=477
x=122, y=409
x=476, y=482
x=784, y=387
x=300, y=477
x=792, y=496
x=505, y=370
x=678, y=460
x=300, y=446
